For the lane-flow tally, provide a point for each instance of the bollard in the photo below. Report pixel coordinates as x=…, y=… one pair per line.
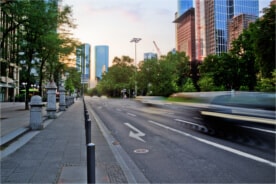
x=88, y=131
x=91, y=170
x=86, y=115
x=62, y=103
x=36, y=113
x=51, y=100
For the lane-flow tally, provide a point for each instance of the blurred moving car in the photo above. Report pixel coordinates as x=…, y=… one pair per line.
x=251, y=109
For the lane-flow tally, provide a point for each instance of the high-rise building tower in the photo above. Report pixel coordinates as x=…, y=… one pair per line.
x=185, y=31
x=217, y=15
x=183, y=6
x=204, y=31
x=236, y=26
x=83, y=62
x=185, y=28
x=101, y=60
x=149, y=55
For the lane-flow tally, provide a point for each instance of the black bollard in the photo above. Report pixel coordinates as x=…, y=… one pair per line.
x=86, y=115
x=91, y=170
x=88, y=131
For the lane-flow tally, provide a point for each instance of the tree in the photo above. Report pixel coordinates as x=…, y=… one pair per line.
x=242, y=49
x=73, y=80
x=164, y=76
x=195, y=73
x=38, y=22
x=148, y=75
x=225, y=70
x=119, y=76
x=264, y=42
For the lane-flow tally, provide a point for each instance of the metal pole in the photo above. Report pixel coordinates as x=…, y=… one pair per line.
x=135, y=40
x=135, y=71
x=91, y=170
x=88, y=131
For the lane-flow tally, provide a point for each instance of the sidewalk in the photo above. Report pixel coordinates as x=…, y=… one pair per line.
x=57, y=154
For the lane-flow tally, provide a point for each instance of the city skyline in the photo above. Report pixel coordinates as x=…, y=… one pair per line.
x=115, y=23
x=101, y=61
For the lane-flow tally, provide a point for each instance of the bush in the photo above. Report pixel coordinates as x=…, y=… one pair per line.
x=189, y=86
x=265, y=85
x=20, y=97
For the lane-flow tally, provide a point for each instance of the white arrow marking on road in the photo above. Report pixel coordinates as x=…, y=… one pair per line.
x=136, y=135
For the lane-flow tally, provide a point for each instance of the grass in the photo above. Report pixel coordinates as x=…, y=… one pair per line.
x=185, y=99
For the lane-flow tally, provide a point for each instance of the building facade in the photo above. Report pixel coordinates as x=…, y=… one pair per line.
x=236, y=26
x=149, y=55
x=83, y=56
x=217, y=15
x=200, y=30
x=101, y=60
x=183, y=6
x=9, y=61
x=185, y=30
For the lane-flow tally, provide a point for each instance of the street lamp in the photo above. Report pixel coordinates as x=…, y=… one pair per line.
x=135, y=40
x=25, y=85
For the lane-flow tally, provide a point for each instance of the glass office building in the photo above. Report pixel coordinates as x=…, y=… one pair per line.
x=150, y=55
x=183, y=6
x=218, y=13
x=101, y=60
x=83, y=62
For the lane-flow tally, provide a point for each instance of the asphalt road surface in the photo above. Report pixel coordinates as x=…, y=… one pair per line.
x=170, y=144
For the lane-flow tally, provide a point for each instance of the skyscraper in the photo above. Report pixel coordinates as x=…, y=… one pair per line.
x=183, y=6
x=217, y=15
x=101, y=60
x=185, y=33
x=83, y=62
x=236, y=26
x=149, y=55
x=185, y=28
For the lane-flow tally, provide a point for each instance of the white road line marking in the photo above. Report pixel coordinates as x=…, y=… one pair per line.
x=260, y=129
x=237, y=152
x=131, y=114
x=180, y=120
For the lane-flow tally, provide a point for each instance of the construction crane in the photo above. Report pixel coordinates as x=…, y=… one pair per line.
x=158, y=50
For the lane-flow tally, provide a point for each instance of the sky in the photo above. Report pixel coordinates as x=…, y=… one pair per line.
x=116, y=22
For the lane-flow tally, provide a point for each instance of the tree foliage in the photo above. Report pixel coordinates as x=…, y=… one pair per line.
x=153, y=77
x=249, y=63
x=119, y=76
x=264, y=42
x=35, y=24
x=73, y=80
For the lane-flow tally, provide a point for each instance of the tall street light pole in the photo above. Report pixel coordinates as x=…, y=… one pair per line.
x=135, y=40
x=25, y=85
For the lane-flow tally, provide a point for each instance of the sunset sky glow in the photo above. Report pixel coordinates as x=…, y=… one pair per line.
x=116, y=22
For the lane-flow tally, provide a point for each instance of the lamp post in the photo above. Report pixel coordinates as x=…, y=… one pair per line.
x=135, y=40
x=32, y=88
x=25, y=85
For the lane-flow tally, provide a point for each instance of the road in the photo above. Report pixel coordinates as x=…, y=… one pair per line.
x=169, y=144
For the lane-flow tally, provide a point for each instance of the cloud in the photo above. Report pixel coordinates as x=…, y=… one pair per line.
x=127, y=10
